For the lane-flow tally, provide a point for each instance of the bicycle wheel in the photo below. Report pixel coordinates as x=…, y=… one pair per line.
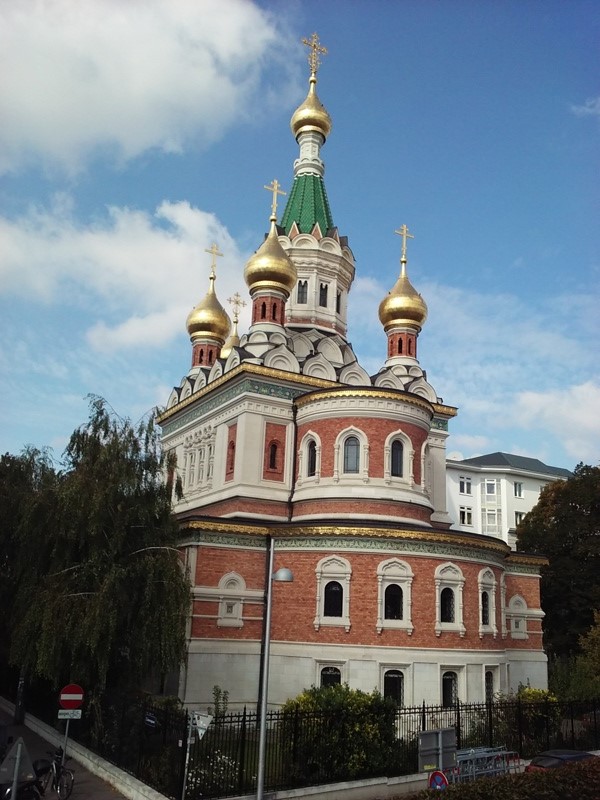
x=65, y=784
x=46, y=780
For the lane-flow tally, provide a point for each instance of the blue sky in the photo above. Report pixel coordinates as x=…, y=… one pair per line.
x=137, y=132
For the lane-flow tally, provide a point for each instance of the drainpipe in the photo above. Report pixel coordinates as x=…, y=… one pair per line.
x=294, y=461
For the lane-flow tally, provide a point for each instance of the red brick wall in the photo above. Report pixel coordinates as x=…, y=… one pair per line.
x=362, y=507
x=274, y=435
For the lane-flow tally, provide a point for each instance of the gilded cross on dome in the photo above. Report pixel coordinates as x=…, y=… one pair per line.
x=214, y=251
x=236, y=304
x=403, y=232
x=274, y=187
x=313, y=57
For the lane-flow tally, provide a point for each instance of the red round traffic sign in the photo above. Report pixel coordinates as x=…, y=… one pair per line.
x=437, y=780
x=71, y=696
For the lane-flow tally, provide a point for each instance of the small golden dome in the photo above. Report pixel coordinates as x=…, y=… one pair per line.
x=232, y=341
x=311, y=115
x=403, y=305
x=209, y=319
x=270, y=267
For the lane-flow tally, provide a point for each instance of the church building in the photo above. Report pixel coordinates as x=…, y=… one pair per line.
x=289, y=450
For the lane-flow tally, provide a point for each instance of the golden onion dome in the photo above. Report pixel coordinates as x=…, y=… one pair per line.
x=209, y=320
x=403, y=305
x=270, y=267
x=232, y=341
x=312, y=114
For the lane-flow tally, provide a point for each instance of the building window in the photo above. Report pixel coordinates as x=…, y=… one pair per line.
x=519, y=515
x=399, y=347
x=393, y=686
x=323, y=295
x=465, y=515
x=518, y=489
x=449, y=689
x=302, y=293
x=447, y=605
x=490, y=486
x=486, y=582
x=489, y=686
x=449, y=583
x=485, y=608
x=331, y=676
x=338, y=302
x=517, y=615
x=464, y=485
x=274, y=311
x=397, y=458
x=230, y=465
x=263, y=311
x=333, y=592
x=351, y=455
x=334, y=599
x=273, y=455
x=311, y=460
x=393, y=602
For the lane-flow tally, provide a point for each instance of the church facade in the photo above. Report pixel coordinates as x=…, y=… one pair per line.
x=288, y=449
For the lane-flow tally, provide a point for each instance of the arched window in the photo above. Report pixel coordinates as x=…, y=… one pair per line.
x=263, y=311
x=273, y=455
x=489, y=686
x=323, y=295
x=210, y=356
x=311, y=461
x=351, y=455
x=338, y=302
x=274, y=311
x=397, y=458
x=334, y=599
x=485, y=608
x=449, y=689
x=393, y=686
x=410, y=347
x=230, y=456
x=302, y=293
x=331, y=676
x=447, y=605
x=400, y=347
x=393, y=602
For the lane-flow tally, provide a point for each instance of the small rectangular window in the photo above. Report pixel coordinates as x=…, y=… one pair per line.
x=518, y=489
x=302, y=293
x=323, y=295
x=464, y=485
x=466, y=515
x=519, y=517
x=490, y=486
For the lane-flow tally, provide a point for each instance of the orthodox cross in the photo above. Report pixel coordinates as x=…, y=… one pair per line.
x=403, y=232
x=313, y=57
x=214, y=250
x=274, y=187
x=236, y=304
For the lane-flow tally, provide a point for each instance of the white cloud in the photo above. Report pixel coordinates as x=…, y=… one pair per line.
x=591, y=108
x=124, y=77
x=135, y=275
x=571, y=414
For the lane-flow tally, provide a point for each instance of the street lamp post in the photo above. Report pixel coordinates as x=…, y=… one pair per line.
x=284, y=575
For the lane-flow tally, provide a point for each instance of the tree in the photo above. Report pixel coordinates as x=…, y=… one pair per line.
x=101, y=594
x=565, y=526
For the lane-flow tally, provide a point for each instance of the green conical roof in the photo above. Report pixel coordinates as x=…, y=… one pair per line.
x=306, y=205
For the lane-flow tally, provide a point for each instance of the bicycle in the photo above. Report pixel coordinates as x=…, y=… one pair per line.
x=58, y=777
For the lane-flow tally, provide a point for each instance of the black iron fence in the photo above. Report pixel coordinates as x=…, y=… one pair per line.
x=303, y=749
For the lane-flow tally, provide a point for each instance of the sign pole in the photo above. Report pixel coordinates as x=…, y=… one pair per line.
x=13, y=791
x=64, y=753
x=187, y=755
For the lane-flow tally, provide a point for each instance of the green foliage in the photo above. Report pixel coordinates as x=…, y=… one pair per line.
x=580, y=780
x=353, y=734
x=101, y=596
x=578, y=677
x=221, y=702
x=565, y=526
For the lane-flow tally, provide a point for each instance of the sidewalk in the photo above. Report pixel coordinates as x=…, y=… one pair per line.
x=86, y=787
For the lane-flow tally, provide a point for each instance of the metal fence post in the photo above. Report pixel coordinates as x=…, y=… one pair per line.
x=520, y=726
x=458, y=730
x=242, y=752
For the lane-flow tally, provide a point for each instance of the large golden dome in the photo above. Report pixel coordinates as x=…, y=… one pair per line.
x=403, y=305
x=270, y=267
x=209, y=320
x=311, y=115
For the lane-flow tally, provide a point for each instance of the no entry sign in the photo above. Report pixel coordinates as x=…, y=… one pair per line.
x=71, y=696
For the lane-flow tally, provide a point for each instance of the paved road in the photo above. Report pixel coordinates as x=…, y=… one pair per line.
x=87, y=786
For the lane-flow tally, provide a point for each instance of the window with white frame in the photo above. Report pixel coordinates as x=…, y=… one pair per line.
x=465, y=514
x=330, y=675
x=486, y=582
x=490, y=486
x=449, y=583
x=394, y=601
x=351, y=455
x=393, y=685
x=519, y=517
x=302, y=292
x=464, y=484
x=397, y=454
x=397, y=461
x=309, y=457
x=518, y=487
x=333, y=592
x=449, y=688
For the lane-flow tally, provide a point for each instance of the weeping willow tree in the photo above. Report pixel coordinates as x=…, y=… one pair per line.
x=101, y=594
